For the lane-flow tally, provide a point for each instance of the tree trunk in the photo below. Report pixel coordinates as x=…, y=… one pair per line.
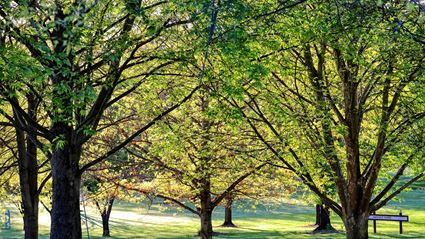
x=30, y=201
x=105, y=218
x=206, y=224
x=28, y=175
x=66, y=221
x=28, y=186
x=318, y=206
x=105, y=226
x=357, y=228
x=206, y=231
x=31, y=225
x=228, y=213
x=324, y=223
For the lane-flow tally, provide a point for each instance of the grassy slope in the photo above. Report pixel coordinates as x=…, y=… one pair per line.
x=285, y=221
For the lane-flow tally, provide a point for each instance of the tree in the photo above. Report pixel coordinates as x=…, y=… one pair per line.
x=102, y=182
x=191, y=156
x=272, y=184
x=103, y=196
x=92, y=54
x=350, y=87
x=228, y=215
x=15, y=67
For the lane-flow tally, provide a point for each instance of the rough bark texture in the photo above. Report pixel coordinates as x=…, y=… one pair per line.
x=66, y=221
x=228, y=213
x=357, y=227
x=206, y=231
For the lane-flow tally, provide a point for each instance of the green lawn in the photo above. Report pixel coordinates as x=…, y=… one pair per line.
x=276, y=221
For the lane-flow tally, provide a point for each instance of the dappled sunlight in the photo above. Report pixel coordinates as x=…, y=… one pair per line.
x=44, y=219
x=133, y=221
x=146, y=218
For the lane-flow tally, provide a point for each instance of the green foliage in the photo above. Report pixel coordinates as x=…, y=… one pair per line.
x=284, y=86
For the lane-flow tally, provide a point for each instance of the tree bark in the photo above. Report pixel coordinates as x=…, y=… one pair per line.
x=357, y=227
x=105, y=226
x=206, y=224
x=28, y=174
x=324, y=220
x=228, y=213
x=31, y=202
x=66, y=219
x=206, y=231
x=105, y=218
x=28, y=185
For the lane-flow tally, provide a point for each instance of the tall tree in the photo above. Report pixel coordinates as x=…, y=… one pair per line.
x=15, y=66
x=351, y=87
x=94, y=54
x=28, y=174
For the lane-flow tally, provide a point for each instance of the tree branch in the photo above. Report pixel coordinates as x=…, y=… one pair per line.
x=138, y=132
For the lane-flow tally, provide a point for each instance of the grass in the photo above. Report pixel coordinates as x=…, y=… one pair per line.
x=131, y=221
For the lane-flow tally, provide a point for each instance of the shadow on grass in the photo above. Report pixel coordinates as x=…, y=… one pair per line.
x=12, y=233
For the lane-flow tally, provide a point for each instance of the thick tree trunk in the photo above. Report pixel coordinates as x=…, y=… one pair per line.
x=66, y=221
x=105, y=218
x=324, y=223
x=357, y=228
x=228, y=213
x=206, y=231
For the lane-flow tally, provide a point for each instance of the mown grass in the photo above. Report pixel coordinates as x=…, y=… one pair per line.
x=131, y=221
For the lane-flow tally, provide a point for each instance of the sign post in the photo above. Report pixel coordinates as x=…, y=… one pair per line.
x=398, y=218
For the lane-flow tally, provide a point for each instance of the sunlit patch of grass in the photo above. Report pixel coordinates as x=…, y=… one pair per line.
x=131, y=221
